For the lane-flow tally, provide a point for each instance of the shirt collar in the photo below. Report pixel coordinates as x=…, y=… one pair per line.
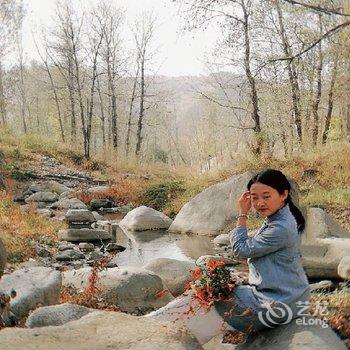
x=279, y=213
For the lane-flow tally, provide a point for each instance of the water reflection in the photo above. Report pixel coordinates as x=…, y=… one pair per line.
x=145, y=236
x=144, y=246
x=195, y=246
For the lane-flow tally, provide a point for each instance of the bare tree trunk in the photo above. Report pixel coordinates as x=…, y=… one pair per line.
x=315, y=126
x=293, y=77
x=80, y=97
x=109, y=133
x=308, y=110
x=254, y=95
x=330, y=101
x=114, y=122
x=22, y=93
x=110, y=19
x=143, y=35
x=37, y=113
x=133, y=96
x=142, y=107
x=69, y=79
x=113, y=100
x=86, y=135
x=54, y=90
x=90, y=105
x=2, y=99
x=345, y=125
x=73, y=127
x=102, y=116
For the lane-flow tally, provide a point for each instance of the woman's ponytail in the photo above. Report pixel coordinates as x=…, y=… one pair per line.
x=299, y=218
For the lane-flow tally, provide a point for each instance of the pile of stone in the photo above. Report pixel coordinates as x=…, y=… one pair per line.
x=84, y=242
x=42, y=193
x=80, y=229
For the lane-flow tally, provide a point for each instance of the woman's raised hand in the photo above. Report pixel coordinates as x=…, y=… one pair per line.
x=244, y=203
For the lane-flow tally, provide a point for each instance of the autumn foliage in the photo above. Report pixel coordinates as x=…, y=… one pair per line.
x=91, y=295
x=121, y=193
x=211, y=282
x=21, y=230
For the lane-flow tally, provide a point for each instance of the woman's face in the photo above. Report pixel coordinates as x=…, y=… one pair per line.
x=265, y=199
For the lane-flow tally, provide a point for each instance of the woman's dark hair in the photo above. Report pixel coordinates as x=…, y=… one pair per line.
x=277, y=180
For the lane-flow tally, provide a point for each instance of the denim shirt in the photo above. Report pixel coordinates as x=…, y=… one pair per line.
x=274, y=260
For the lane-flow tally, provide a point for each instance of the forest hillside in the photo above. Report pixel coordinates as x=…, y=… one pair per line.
x=126, y=142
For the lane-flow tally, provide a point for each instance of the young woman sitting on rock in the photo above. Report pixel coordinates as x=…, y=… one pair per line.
x=278, y=287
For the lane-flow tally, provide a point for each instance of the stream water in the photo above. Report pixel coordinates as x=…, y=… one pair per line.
x=144, y=246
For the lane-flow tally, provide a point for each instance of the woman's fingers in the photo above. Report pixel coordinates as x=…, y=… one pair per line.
x=245, y=196
x=244, y=202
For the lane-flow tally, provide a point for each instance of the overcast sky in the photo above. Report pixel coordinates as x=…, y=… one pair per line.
x=179, y=53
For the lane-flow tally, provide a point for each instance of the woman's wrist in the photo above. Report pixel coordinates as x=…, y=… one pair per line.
x=241, y=220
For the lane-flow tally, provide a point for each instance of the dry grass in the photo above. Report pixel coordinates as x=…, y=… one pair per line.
x=337, y=301
x=21, y=230
x=121, y=193
x=332, y=163
x=337, y=309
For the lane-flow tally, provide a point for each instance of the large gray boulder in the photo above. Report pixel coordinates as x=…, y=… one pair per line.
x=100, y=331
x=83, y=235
x=321, y=259
x=319, y=224
x=130, y=288
x=291, y=336
x=174, y=273
x=295, y=336
x=213, y=209
x=34, y=286
x=344, y=267
x=144, y=218
x=3, y=257
x=324, y=244
x=56, y=315
x=69, y=203
x=42, y=197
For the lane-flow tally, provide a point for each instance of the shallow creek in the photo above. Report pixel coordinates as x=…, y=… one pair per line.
x=144, y=246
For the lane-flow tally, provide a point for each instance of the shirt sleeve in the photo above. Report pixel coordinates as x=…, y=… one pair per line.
x=271, y=239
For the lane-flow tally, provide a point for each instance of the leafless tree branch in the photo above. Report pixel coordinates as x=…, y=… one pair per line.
x=329, y=33
x=327, y=11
